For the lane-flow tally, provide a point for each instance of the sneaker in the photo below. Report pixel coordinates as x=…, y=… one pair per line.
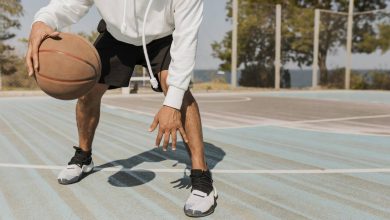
x=81, y=163
x=203, y=198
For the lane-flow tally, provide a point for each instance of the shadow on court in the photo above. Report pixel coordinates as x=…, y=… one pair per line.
x=126, y=178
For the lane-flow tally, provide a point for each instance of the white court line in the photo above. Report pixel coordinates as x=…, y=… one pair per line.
x=287, y=123
x=128, y=110
x=116, y=169
x=238, y=99
x=273, y=122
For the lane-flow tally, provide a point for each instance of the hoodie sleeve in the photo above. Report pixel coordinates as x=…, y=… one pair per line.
x=62, y=13
x=188, y=15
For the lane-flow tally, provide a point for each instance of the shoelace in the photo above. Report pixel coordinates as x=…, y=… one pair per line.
x=80, y=158
x=202, y=181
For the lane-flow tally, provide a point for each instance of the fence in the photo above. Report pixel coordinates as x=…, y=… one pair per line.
x=279, y=46
x=312, y=47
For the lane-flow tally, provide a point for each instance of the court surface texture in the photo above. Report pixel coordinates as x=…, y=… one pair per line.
x=274, y=155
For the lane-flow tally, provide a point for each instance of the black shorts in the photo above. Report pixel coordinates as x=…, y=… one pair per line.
x=119, y=59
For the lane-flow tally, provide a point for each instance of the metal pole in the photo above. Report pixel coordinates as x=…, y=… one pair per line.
x=278, y=43
x=143, y=76
x=349, y=46
x=234, y=44
x=1, y=82
x=317, y=18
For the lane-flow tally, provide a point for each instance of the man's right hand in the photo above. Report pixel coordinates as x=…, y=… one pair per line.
x=39, y=32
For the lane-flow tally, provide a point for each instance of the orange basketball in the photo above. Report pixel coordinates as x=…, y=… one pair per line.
x=69, y=66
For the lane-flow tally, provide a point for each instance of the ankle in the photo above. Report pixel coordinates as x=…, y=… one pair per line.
x=199, y=165
x=202, y=180
x=86, y=152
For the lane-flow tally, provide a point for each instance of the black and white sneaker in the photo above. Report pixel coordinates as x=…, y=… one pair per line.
x=81, y=163
x=203, y=198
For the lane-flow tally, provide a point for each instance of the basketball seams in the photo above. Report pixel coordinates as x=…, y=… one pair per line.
x=93, y=49
x=66, y=80
x=76, y=58
x=71, y=56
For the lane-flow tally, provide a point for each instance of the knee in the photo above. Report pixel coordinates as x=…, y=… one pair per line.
x=94, y=96
x=89, y=99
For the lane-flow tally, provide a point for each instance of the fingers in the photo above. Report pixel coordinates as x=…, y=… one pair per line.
x=159, y=137
x=29, y=63
x=35, y=48
x=154, y=124
x=39, y=32
x=54, y=34
x=166, y=140
x=183, y=134
x=174, y=139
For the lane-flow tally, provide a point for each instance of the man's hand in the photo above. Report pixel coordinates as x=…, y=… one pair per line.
x=170, y=121
x=39, y=32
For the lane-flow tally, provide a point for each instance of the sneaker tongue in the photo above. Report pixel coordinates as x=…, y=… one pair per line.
x=199, y=193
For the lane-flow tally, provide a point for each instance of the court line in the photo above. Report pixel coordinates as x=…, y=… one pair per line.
x=238, y=99
x=286, y=123
x=116, y=169
x=128, y=110
x=275, y=122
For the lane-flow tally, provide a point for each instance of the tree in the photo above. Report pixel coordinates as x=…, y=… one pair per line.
x=10, y=11
x=366, y=37
x=256, y=47
x=257, y=33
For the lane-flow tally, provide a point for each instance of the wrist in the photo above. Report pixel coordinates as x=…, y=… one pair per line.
x=174, y=97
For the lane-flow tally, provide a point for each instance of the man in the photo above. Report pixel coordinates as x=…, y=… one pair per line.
x=165, y=42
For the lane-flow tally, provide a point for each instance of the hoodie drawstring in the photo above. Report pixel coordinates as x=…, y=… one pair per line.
x=153, y=79
x=123, y=26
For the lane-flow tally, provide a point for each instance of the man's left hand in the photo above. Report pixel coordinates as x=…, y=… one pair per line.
x=169, y=120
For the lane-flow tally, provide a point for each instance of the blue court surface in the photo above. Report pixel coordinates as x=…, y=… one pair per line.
x=274, y=155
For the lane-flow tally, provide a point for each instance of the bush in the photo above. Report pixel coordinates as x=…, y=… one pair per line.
x=380, y=80
x=374, y=79
x=257, y=76
x=19, y=79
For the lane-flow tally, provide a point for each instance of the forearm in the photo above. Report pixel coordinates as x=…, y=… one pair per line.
x=188, y=17
x=61, y=13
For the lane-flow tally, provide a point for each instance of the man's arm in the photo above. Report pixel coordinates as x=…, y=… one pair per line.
x=188, y=16
x=55, y=16
x=62, y=13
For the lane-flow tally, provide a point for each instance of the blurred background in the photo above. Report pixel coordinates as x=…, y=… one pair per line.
x=288, y=44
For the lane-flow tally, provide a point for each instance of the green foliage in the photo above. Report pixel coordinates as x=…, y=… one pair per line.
x=256, y=43
x=257, y=76
x=380, y=80
x=19, y=79
x=374, y=80
x=10, y=11
x=256, y=30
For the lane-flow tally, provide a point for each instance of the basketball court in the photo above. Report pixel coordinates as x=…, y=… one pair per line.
x=274, y=155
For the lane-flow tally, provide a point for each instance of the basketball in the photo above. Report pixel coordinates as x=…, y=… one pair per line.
x=69, y=66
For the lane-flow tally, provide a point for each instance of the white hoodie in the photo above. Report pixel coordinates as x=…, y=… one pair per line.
x=125, y=20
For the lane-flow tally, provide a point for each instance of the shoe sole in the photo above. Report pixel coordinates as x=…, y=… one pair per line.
x=204, y=214
x=75, y=179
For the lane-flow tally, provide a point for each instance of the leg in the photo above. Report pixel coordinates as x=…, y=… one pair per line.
x=192, y=125
x=87, y=116
x=202, y=183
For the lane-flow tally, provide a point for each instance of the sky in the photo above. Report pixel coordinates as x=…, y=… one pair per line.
x=213, y=29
